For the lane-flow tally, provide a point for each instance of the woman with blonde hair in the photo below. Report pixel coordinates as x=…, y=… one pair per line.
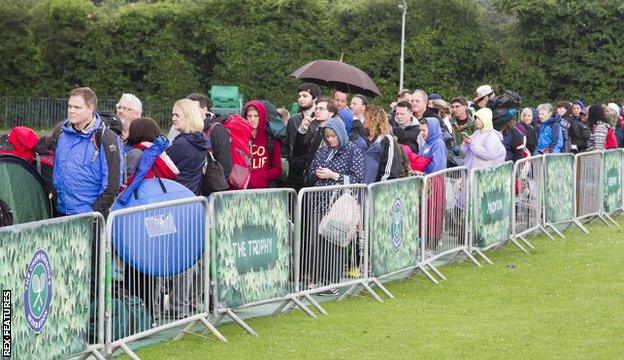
x=189, y=149
x=382, y=156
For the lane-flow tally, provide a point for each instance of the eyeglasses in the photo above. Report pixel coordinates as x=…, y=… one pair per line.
x=123, y=108
x=320, y=109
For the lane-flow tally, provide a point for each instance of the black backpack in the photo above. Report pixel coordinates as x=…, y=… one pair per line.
x=504, y=108
x=275, y=127
x=111, y=121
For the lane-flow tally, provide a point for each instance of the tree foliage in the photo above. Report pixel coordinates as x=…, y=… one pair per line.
x=162, y=50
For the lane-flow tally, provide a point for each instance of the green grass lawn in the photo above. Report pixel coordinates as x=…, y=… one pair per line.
x=564, y=301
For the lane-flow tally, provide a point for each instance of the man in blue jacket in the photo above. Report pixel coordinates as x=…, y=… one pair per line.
x=88, y=162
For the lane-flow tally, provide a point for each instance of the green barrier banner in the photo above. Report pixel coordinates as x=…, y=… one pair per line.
x=394, y=224
x=493, y=204
x=45, y=269
x=252, y=247
x=559, y=188
x=612, y=189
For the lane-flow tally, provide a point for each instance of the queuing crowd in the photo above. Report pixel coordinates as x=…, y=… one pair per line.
x=97, y=157
x=330, y=140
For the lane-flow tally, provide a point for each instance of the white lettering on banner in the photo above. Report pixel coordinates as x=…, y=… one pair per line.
x=495, y=206
x=260, y=247
x=240, y=249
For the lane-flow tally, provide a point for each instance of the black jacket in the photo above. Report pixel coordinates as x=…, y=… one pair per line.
x=303, y=150
x=188, y=152
x=220, y=143
x=407, y=135
x=579, y=133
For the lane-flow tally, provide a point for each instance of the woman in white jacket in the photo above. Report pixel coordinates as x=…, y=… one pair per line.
x=484, y=148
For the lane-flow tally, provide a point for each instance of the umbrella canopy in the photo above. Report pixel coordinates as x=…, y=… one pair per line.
x=341, y=76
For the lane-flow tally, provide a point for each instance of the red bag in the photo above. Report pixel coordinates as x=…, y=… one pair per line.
x=611, y=141
x=240, y=140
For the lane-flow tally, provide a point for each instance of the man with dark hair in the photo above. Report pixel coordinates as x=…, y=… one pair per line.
x=359, y=103
x=310, y=133
x=308, y=94
x=405, y=126
x=461, y=119
x=215, y=132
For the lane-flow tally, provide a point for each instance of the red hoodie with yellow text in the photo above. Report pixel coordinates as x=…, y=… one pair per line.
x=266, y=164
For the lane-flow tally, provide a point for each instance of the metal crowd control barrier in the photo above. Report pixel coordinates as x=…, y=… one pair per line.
x=491, y=190
x=560, y=192
x=157, y=271
x=394, y=219
x=444, y=219
x=53, y=269
x=527, y=210
x=332, y=241
x=253, y=251
x=612, y=188
x=589, y=183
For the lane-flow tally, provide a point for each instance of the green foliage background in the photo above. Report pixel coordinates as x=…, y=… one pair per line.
x=612, y=195
x=162, y=50
x=234, y=212
x=493, y=181
x=68, y=246
x=559, y=187
x=384, y=258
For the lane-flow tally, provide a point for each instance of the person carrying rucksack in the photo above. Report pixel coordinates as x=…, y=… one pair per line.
x=88, y=163
x=602, y=135
x=266, y=153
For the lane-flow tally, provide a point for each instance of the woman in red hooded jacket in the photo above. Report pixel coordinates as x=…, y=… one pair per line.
x=266, y=154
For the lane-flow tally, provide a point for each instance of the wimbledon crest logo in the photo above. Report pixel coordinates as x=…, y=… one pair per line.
x=38, y=291
x=396, y=226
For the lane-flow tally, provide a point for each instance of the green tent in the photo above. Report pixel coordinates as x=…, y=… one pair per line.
x=21, y=191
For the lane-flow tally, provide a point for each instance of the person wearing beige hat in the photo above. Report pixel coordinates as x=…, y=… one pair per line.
x=484, y=94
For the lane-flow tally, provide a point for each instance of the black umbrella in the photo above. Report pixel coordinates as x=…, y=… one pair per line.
x=338, y=75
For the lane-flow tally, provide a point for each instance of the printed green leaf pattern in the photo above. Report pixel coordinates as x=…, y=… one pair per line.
x=559, y=188
x=394, y=225
x=68, y=245
x=240, y=212
x=612, y=189
x=493, y=204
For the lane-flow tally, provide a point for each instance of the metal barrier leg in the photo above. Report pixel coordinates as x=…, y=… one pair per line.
x=611, y=219
x=546, y=232
x=513, y=240
x=213, y=329
x=129, y=352
x=472, y=258
x=556, y=231
x=382, y=288
x=316, y=305
x=524, y=240
x=604, y=219
x=303, y=308
x=581, y=226
x=480, y=253
x=427, y=274
x=239, y=321
x=436, y=271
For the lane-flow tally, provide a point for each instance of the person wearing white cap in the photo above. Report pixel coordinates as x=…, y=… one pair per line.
x=484, y=94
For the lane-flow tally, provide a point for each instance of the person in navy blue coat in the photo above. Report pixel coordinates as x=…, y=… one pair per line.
x=189, y=149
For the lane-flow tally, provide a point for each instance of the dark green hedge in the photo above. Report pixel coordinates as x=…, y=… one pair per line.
x=162, y=50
